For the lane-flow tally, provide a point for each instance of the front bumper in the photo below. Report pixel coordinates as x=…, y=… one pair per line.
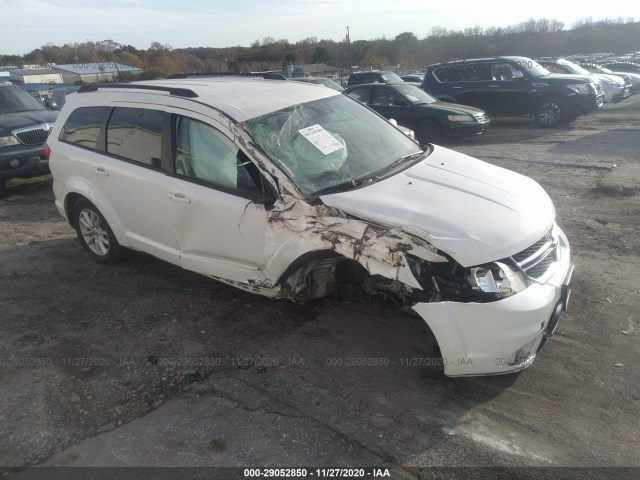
x=29, y=160
x=626, y=92
x=463, y=129
x=503, y=336
x=583, y=104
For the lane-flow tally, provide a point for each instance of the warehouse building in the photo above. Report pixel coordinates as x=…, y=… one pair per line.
x=94, y=72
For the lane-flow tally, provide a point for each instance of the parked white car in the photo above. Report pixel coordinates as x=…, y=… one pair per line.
x=634, y=78
x=293, y=191
x=615, y=88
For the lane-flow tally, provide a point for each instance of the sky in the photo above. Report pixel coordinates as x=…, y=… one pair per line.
x=29, y=24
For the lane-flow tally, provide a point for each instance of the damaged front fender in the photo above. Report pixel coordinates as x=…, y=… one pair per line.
x=296, y=228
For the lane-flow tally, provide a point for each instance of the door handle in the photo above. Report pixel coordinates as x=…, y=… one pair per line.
x=494, y=86
x=179, y=197
x=101, y=171
x=457, y=88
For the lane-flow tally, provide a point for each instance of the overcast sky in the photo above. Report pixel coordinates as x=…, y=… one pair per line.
x=29, y=24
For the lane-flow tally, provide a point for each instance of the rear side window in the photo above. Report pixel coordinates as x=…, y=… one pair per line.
x=136, y=134
x=82, y=128
x=464, y=72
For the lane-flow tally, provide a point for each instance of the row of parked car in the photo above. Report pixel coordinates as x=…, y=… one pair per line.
x=552, y=91
x=450, y=99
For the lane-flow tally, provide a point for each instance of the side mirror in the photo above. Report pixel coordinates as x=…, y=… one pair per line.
x=517, y=75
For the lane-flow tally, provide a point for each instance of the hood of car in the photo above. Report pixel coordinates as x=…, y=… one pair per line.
x=474, y=211
x=610, y=78
x=453, y=108
x=569, y=77
x=14, y=121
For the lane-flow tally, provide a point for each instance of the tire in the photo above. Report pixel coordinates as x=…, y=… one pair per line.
x=3, y=187
x=95, y=235
x=428, y=131
x=551, y=112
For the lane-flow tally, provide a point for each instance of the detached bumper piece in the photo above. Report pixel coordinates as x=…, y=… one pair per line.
x=560, y=307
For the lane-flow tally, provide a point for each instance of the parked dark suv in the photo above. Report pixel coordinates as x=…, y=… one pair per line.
x=513, y=86
x=382, y=76
x=24, y=126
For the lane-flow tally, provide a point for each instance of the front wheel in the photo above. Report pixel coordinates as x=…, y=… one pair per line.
x=428, y=131
x=94, y=233
x=551, y=112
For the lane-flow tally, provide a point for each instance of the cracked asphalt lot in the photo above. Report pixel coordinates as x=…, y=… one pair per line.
x=145, y=364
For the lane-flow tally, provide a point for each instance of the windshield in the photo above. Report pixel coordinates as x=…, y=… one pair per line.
x=331, y=142
x=415, y=95
x=605, y=70
x=576, y=69
x=534, y=69
x=14, y=100
x=390, y=77
x=328, y=83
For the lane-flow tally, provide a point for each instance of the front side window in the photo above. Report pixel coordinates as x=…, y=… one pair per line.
x=136, y=134
x=205, y=154
x=330, y=143
x=415, y=95
x=83, y=126
x=502, y=72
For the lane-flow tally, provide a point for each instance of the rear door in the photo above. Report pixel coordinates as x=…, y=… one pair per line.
x=127, y=175
x=466, y=82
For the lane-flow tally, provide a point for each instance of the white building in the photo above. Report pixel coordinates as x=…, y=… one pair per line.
x=94, y=72
x=41, y=75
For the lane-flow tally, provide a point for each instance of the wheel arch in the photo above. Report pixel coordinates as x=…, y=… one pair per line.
x=79, y=189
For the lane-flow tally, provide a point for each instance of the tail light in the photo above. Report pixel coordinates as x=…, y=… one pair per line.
x=46, y=151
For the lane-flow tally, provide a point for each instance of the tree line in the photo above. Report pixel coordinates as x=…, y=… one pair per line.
x=532, y=38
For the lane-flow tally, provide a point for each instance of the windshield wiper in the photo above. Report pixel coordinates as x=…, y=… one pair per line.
x=359, y=182
x=399, y=163
x=339, y=187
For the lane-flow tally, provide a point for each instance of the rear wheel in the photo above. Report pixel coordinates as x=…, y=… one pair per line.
x=94, y=233
x=551, y=112
x=428, y=131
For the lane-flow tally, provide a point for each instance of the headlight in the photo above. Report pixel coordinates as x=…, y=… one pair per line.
x=497, y=278
x=460, y=118
x=8, y=141
x=579, y=88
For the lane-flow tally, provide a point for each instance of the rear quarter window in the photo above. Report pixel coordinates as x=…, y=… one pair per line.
x=82, y=127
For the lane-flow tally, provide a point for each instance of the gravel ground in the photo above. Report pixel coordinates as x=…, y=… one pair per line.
x=112, y=350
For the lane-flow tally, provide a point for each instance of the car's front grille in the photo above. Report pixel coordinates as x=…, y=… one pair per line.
x=536, y=259
x=36, y=136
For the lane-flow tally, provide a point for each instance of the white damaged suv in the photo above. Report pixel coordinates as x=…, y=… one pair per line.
x=295, y=191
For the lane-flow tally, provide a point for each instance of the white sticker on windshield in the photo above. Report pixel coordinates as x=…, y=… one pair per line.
x=323, y=140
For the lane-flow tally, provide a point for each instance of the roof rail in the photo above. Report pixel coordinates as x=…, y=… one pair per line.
x=178, y=92
x=265, y=75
